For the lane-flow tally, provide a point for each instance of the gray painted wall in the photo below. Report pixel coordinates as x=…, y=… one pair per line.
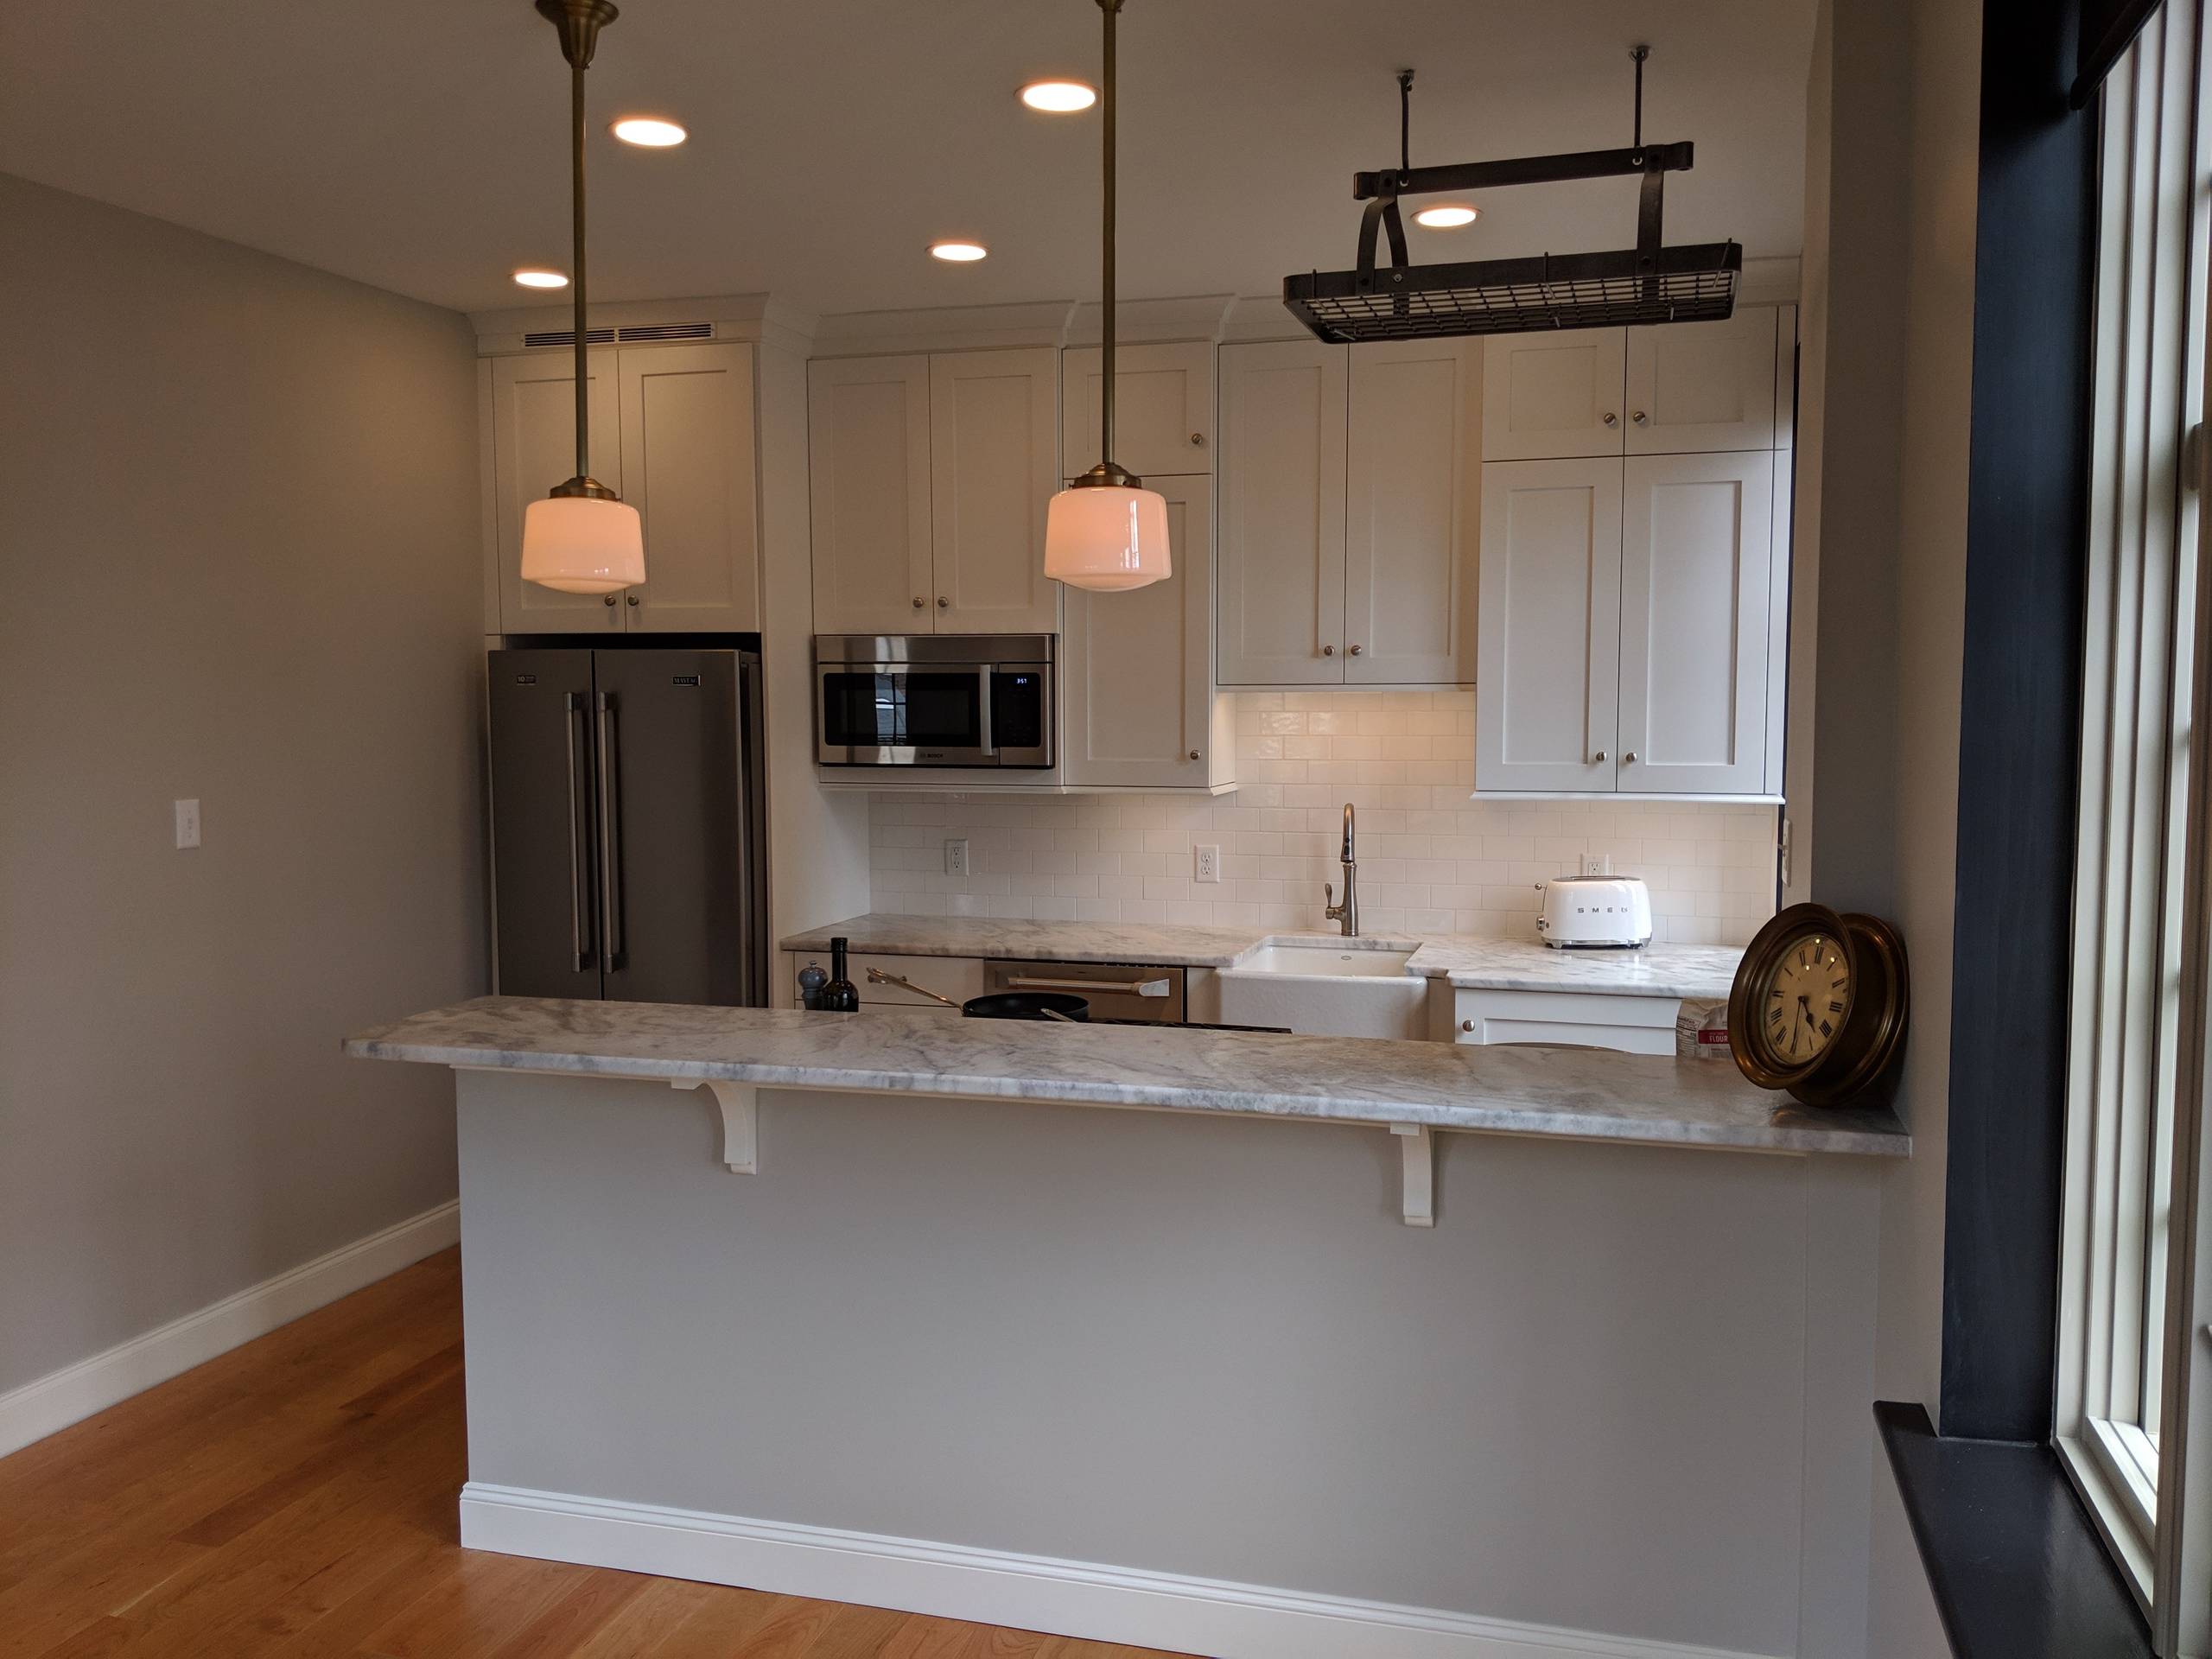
x=1179, y=1342
x=1890, y=283
x=240, y=553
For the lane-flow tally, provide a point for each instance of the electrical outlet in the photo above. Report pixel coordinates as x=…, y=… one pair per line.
x=1207, y=863
x=188, y=824
x=1597, y=863
x=956, y=857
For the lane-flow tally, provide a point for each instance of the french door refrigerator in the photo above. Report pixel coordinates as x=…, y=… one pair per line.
x=626, y=825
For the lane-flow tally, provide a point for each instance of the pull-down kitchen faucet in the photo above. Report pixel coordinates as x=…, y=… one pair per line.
x=1347, y=913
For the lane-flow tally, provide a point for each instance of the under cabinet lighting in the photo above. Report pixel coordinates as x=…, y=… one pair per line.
x=648, y=132
x=1448, y=216
x=1059, y=97
x=959, y=253
x=541, y=279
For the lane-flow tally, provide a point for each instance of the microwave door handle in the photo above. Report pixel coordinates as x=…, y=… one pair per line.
x=988, y=744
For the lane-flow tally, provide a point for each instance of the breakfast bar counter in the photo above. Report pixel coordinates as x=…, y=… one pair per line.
x=1316, y=1347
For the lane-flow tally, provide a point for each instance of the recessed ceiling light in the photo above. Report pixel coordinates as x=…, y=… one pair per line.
x=648, y=132
x=1449, y=216
x=959, y=253
x=1059, y=97
x=541, y=279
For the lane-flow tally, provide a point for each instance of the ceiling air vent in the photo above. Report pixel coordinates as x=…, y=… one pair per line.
x=568, y=337
x=623, y=336
x=1649, y=283
x=667, y=331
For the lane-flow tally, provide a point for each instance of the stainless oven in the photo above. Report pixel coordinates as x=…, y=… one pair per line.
x=933, y=700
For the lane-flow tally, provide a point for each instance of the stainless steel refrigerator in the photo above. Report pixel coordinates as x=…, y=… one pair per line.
x=628, y=811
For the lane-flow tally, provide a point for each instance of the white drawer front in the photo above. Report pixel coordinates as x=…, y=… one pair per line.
x=1634, y=1025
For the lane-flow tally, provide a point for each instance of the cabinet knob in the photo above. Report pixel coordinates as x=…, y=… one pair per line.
x=1629, y=757
x=918, y=601
x=1197, y=440
x=1639, y=417
x=631, y=599
x=1355, y=651
x=1194, y=754
x=1466, y=1024
x=608, y=601
x=1595, y=757
x=1611, y=419
x=943, y=603
x=1328, y=650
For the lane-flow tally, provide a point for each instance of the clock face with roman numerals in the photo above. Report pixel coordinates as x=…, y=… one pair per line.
x=1805, y=994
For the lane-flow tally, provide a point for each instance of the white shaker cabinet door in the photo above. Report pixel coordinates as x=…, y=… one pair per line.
x=534, y=448
x=1698, y=386
x=1546, y=697
x=1163, y=409
x=1281, y=589
x=1696, y=566
x=868, y=458
x=688, y=467
x=1136, y=667
x=1551, y=395
x=994, y=442
x=1411, y=517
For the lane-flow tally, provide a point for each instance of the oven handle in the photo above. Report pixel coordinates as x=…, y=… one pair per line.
x=1121, y=988
x=983, y=711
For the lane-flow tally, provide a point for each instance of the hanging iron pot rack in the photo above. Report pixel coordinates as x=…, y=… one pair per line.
x=1648, y=284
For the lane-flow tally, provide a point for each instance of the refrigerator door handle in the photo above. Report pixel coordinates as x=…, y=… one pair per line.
x=579, y=895
x=610, y=833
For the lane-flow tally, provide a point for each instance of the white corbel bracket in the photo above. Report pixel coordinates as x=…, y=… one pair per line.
x=740, y=1104
x=1417, y=1180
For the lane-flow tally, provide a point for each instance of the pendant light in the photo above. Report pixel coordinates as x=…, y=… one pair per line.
x=1106, y=531
x=582, y=538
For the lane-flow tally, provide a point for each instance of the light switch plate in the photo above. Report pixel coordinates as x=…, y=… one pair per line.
x=956, y=857
x=188, y=824
x=1206, y=862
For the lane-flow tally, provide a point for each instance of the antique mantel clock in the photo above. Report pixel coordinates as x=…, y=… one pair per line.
x=1819, y=1004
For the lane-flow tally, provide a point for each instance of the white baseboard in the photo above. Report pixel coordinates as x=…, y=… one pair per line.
x=1031, y=1592
x=62, y=1397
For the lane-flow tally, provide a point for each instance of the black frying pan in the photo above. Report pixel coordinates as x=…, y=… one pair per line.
x=1026, y=1005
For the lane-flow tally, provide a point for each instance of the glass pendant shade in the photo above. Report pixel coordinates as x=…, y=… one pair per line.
x=1107, y=538
x=582, y=544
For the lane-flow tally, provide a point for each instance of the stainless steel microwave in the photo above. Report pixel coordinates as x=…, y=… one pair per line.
x=934, y=700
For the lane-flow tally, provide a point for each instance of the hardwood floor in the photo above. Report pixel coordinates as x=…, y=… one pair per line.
x=296, y=1497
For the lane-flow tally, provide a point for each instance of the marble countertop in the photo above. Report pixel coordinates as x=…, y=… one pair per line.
x=1700, y=972
x=1584, y=1093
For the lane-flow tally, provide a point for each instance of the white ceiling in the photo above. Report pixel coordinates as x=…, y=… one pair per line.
x=421, y=145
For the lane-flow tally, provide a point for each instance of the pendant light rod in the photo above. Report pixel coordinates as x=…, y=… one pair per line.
x=1111, y=8
x=576, y=266
x=579, y=23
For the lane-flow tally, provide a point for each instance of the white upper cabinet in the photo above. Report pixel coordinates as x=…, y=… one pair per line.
x=1281, y=582
x=1703, y=385
x=929, y=476
x=671, y=430
x=534, y=448
x=1554, y=395
x=994, y=464
x=1136, y=668
x=688, y=467
x=1546, y=704
x=1696, y=563
x=868, y=465
x=1411, y=482
x=1163, y=409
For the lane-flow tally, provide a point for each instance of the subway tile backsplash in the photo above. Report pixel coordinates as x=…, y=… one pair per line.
x=1431, y=860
